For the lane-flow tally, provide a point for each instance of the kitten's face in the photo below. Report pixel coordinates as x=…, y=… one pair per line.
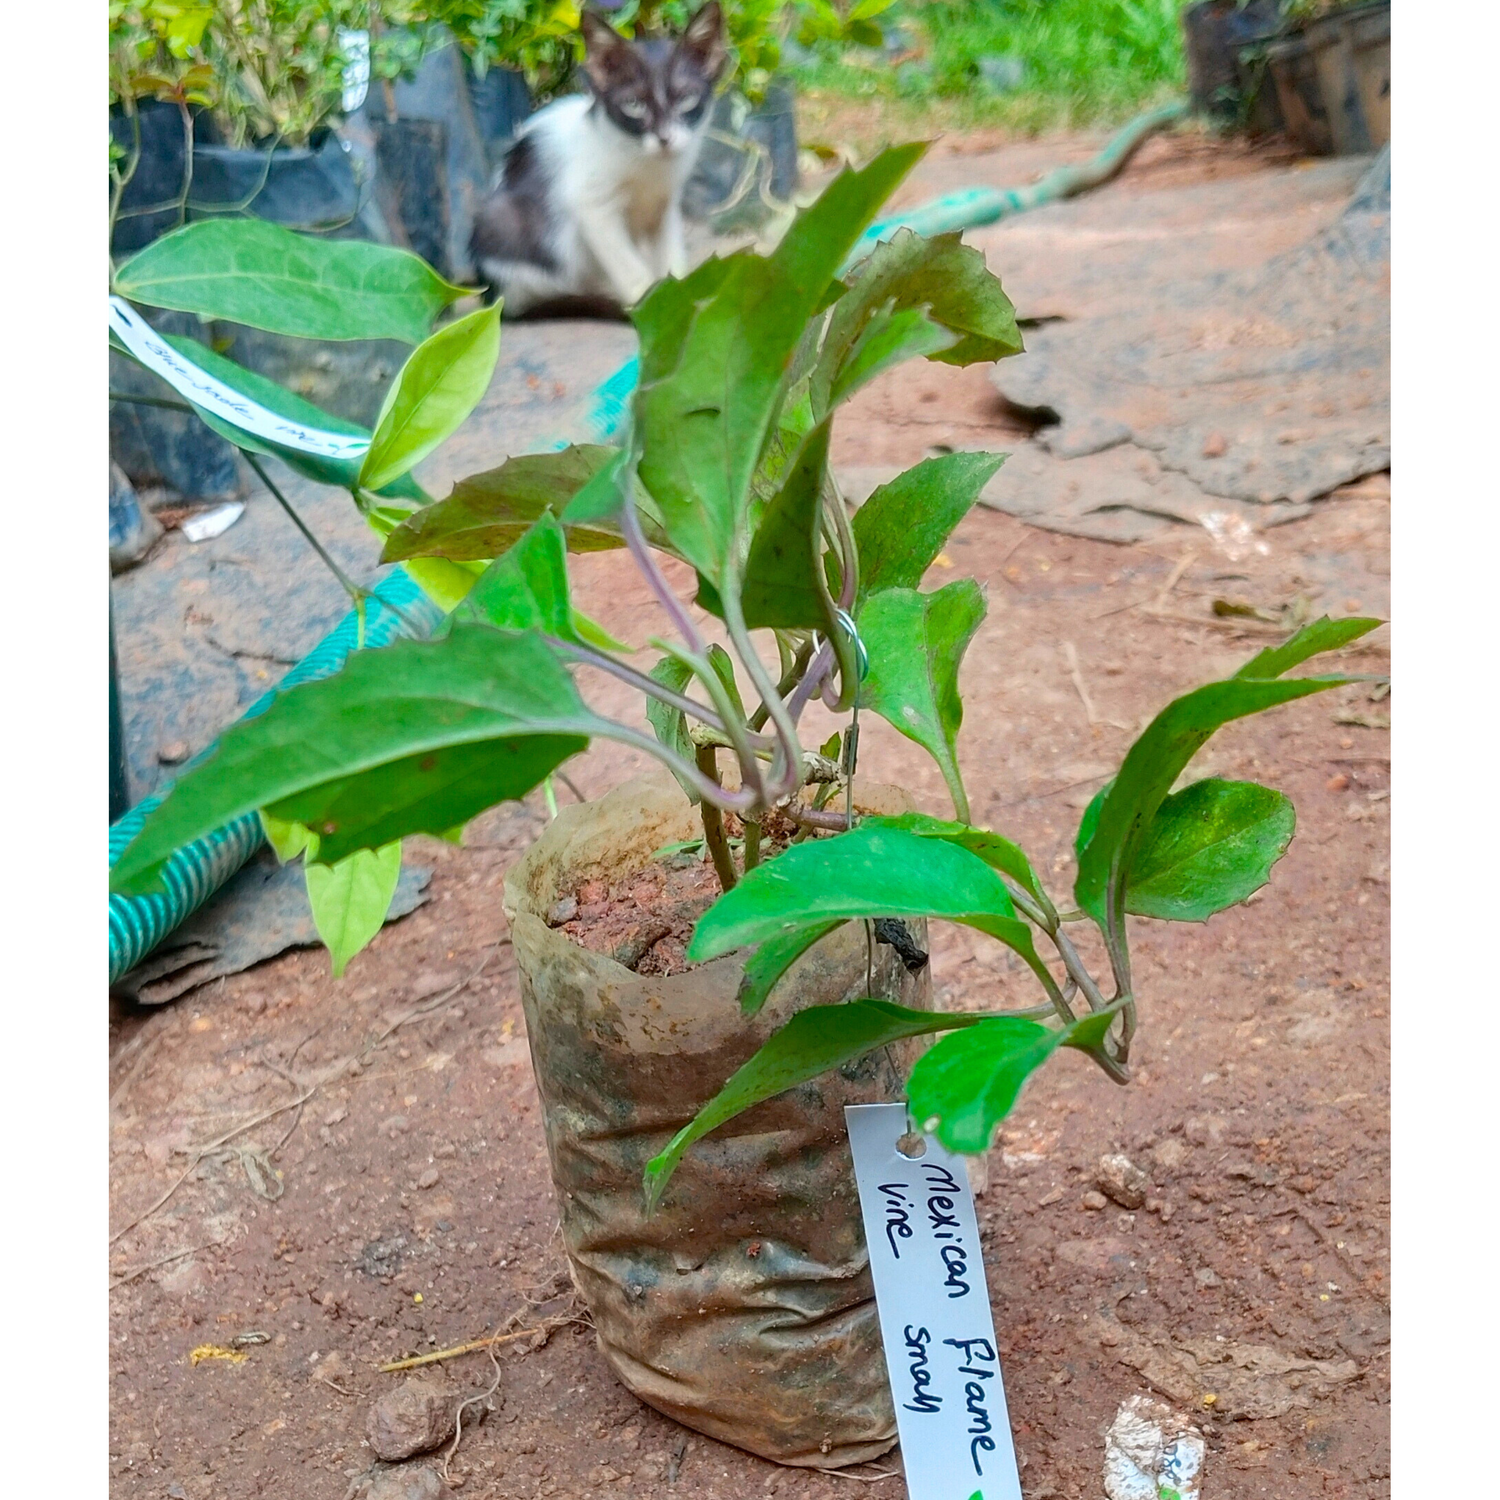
x=657, y=91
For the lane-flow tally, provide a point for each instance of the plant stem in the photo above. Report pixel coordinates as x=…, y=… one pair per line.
x=713, y=822
x=813, y=817
x=790, y=677
x=645, y=560
x=787, y=776
x=752, y=844
x=588, y=656
x=349, y=586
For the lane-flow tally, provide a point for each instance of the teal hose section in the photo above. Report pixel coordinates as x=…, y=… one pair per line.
x=973, y=207
x=138, y=923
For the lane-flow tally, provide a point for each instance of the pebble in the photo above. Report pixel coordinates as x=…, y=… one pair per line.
x=429, y=1178
x=402, y=1484
x=1093, y=1200
x=1215, y=445
x=173, y=753
x=416, y=1417
x=562, y=911
x=1339, y=783
x=1122, y=1180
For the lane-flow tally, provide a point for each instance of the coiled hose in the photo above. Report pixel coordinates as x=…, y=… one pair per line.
x=138, y=923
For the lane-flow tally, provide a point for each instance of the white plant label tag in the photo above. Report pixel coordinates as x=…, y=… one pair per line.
x=203, y=390
x=934, y=1309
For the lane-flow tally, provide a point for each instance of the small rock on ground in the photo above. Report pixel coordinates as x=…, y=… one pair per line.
x=414, y=1418
x=1122, y=1180
x=420, y=1483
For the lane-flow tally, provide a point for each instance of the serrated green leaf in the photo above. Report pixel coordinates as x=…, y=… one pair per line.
x=254, y=272
x=916, y=642
x=813, y=1041
x=439, y=385
x=1319, y=636
x=715, y=357
x=902, y=527
x=890, y=338
x=351, y=899
x=412, y=737
x=941, y=275
x=1209, y=846
x=780, y=590
x=487, y=513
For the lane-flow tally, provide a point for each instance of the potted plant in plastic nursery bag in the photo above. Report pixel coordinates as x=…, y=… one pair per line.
x=734, y=1294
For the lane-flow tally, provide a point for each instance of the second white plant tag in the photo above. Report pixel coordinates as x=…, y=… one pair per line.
x=934, y=1308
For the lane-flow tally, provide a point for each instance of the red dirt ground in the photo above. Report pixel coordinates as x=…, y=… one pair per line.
x=404, y=1205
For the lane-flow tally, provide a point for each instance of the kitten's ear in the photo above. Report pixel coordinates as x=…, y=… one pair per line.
x=608, y=58
x=703, y=41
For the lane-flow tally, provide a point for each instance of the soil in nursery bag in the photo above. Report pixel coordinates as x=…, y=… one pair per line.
x=743, y=1306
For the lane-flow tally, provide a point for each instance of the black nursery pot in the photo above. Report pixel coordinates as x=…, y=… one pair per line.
x=769, y=133
x=303, y=187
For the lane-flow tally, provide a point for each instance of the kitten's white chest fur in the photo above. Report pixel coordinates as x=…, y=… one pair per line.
x=613, y=204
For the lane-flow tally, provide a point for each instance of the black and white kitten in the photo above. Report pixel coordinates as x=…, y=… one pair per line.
x=588, y=206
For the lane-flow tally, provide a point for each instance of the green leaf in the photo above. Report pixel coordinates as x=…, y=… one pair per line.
x=255, y=272
x=715, y=355
x=963, y=1086
x=960, y=1093
x=526, y=588
x=351, y=899
x=487, y=513
x=890, y=338
x=670, y=724
x=442, y=382
x=723, y=664
x=941, y=275
x=1320, y=635
x=433, y=792
x=447, y=584
x=871, y=871
x=781, y=588
x=1164, y=749
x=997, y=852
x=772, y=959
x=342, y=472
x=411, y=738
x=901, y=528
x=592, y=633
x=916, y=642
x=1209, y=846
x=813, y=1041
x=287, y=840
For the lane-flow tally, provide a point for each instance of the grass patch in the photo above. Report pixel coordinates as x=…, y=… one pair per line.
x=1029, y=65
